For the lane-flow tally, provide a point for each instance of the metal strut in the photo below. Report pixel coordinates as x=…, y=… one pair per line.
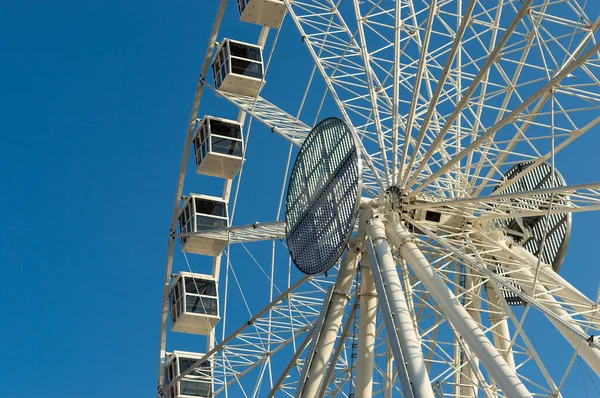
x=317, y=365
x=385, y=266
x=457, y=315
x=392, y=330
x=355, y=341
x=366, y=333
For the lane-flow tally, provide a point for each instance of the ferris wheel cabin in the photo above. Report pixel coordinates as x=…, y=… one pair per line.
x=262, y=12
x=198, y=384
x=238, y=68
x=194, y=303
x=218, y=147
x=201, y=213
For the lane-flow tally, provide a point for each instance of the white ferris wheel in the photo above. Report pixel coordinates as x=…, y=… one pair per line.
x=420, y=221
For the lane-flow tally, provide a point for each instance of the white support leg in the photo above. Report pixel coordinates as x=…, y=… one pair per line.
x=366, y=334
x=525, y=278
x=501, y=334
x=464, y=324
x=389, y=374
x=409, y=341
x=331, y=324
x=468, y=383
x=573, y=297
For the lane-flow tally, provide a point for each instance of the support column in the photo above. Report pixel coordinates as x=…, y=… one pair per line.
x=389, y=374
x=501, y=334
x=366, y=333
x=468, y=383
x=449, y=305
x=568, y=291
x=332, y=322
x=409, y=341
x=525, y=278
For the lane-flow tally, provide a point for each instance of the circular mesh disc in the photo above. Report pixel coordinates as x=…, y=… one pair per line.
x=323, y=196
x=559, y=225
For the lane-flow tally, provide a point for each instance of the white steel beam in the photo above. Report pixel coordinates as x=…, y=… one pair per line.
x=389, y=374
x=456, y=45
x=471, y=332
x=409, y=341
x=493, y=238
x=501, y=334
x=162, y=344
x=293, y=361
x=278, y=120
x=370, y=75
x=569, y=293
x=468, y=386
x=245, y=233
x=392, y=330
x=481, y=75
x=221, y=346
x=525, y=125
x=396, y=91
x=350, y=319
x=573, y=135
x=349, y=54
x=366, y=333
x=331, y=325
x=526, y=279
x=417, y=84
x=510, y=118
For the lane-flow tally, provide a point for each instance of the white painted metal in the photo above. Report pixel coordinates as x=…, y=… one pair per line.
x=384, y=78
x=317, y=328
x=193, y=219
x=511, y=116
x=285, y=295
x=499, y=322
x=276, y=119
x=209, y=146
x=197, y=385
x=194, y=314
x=247, y=233
x=393, y=339
x=262, y=12
x=470, y=331
x=230, y=80
x=366, y=333
x=371, y=86
x=468, y=380
x=409, y=342
x=526, y=279
x=333, y=320
x=572, y=297
x=179, y=190
x=339, y=350
x=389, y=374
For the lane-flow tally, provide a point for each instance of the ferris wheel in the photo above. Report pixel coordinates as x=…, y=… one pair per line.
x=420, y=219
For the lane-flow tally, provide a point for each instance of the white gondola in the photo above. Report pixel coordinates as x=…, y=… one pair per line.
x=194, y=303
x=238, y=68
x=201, y=213
x=198, y=384
x=218, y=147
x=262, y=12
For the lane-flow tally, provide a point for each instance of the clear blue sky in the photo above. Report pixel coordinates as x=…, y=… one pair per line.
x=95, y=97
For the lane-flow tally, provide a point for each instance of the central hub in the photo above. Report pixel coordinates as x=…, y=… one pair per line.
x=425, y=210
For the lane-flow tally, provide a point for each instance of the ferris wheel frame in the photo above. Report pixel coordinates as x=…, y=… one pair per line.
x=385, y=232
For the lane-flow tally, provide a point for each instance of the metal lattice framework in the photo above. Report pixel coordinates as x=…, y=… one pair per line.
x=446, y=97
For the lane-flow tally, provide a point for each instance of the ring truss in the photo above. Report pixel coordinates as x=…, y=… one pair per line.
x=446, y=96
